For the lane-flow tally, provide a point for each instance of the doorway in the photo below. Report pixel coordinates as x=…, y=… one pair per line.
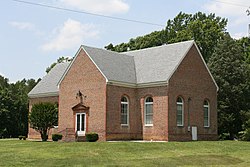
x=80, y=127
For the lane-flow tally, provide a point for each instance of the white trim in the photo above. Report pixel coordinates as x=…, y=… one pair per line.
x=127, y=102
x=80, y=132
x=94, y=63
x=50, y=94
x=66, y=71
x=140, y=85
x=176, y=67
x=182, y=104
x=148, y=125
x=208, y=115
x=72, y=62
x=217, y=87
x=148, y=103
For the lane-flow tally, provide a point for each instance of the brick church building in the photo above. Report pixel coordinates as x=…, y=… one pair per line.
x=161, y=93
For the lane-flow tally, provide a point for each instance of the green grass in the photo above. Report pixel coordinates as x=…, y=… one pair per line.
x=34, y=153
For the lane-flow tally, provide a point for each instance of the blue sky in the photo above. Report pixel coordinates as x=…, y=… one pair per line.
x=33, y=37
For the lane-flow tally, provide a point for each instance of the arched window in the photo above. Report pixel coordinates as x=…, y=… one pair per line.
x=206, y=113
x=124, y=111
x=149, y=111
x=180, y=111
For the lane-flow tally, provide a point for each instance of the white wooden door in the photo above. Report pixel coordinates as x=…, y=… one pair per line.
x=80, y=124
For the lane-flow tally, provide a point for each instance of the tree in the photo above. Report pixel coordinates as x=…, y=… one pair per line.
x=59, y=60
x=5, y=109
x=244, y=42
x=206, y=30
x=43, y=117
x=231, y=74
x=14, y=107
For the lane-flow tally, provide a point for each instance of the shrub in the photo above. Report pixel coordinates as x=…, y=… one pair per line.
x=22, y=137
x=92, y=137
x=224, y=136
x=245, y=135
x=56, y=137
x=43, y=117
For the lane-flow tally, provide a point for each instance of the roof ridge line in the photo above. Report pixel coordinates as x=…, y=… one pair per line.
x=143, y=49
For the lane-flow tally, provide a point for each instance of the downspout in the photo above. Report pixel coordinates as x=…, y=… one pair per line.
x=189, y=99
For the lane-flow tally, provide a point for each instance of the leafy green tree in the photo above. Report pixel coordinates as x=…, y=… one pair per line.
x=14, y=107
x=110, y=47
x=245, y=44
x=20, y=111
x=231, y=74
x=59, y=60
x=5, y=112
x=206, y=30
x=43, y=117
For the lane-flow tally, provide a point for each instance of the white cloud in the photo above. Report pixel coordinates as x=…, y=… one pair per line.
x=234, y=10
x=22, y=25
x=107, y=7
x=239, y=35
x=70, y=35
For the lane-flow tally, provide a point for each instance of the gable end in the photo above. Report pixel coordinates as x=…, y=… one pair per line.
x=203, y=61
x=76, y=55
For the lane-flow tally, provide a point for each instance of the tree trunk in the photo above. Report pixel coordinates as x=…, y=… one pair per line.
x=44, y=135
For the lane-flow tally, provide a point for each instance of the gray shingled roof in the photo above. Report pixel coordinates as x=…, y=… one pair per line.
x=158, y=63
x=115, y=66
x=48, y=85
x=144, y=66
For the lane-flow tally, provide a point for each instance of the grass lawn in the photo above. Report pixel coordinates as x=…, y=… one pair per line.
x=34, y=153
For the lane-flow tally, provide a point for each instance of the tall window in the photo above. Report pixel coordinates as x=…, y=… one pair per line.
x=81, y=123
x=206, y=113
x=124, y=111
x=149, y=111
x=180, y=111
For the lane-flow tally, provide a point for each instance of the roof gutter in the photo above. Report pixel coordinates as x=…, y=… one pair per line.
x=50, y=94
x=138, y=85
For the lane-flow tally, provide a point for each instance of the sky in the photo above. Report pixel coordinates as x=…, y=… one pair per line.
x=33, y=37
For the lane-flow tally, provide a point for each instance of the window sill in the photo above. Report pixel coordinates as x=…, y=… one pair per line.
x=206, y=126
x=124, y=125
x=80, y=133
x=149, y=125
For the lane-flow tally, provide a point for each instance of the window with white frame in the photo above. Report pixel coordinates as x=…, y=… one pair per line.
x=124, y=111
x=149, y=111
x=80, y=124
x=180, y=112
x=206, y=113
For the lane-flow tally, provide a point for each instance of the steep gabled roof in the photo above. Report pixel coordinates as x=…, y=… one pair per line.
x=145, y=67
x=158, y=63
x=115, y=66
x=48, y=85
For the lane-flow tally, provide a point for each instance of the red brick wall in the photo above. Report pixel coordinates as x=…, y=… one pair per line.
x=115, y=131
x=159, y=129
x=192, y=80
x=136, y=128
x=84, y=76
x=32, y=133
